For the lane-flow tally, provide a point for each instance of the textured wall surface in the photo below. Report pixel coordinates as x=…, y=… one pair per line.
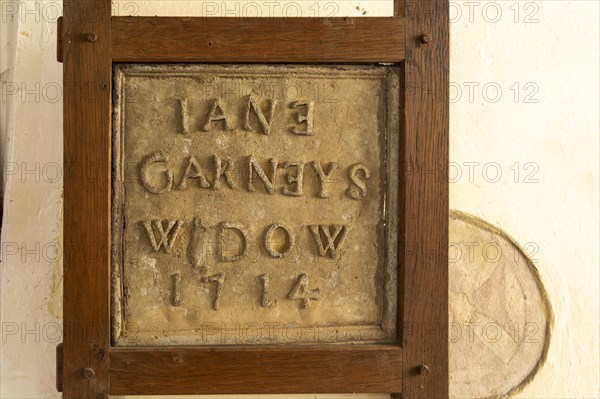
x=524, y=151
x=550, y=207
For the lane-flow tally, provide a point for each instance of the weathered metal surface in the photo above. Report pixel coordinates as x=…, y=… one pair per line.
x=254, y=204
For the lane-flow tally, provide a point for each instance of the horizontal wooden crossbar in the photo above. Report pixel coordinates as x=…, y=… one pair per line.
x=291, y=40
x=165, y=39
x=229, y=370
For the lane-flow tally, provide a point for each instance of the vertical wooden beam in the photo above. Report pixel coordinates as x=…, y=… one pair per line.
x=87, y=105
x=424, y=230
x=398, y=8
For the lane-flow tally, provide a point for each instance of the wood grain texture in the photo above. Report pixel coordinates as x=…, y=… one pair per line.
x=423, y=211
x=255, y=370
x=398, y=8
x=292, y=40
x=87, y=98
x=424, y=228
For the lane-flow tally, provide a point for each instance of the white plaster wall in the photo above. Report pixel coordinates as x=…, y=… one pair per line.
x=32, y=152
x=554, y=60
x=559, y=135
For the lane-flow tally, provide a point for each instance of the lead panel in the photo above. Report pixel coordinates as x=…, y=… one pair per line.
x=251, y=204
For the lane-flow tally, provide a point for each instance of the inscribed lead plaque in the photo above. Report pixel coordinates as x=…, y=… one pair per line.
x=254, y=204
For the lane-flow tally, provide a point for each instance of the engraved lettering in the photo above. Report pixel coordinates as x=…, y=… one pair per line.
x=196, y=249
x=238, y=173
x=176, y=288
x=291, y=241
x=219, y=279
x=308, y=118
x=245, y=238
x=360, y=191
x=333, y=236
x=324, y=177
x=166, y=235
x=225, y=172
x=254, y=106
x=216, y=114
x=223, y=167
x=156, y=157
x=254, y=166
x=193, y=171
x=266, y=301
x=298, y=179
x=185, y=118
x=302, y=292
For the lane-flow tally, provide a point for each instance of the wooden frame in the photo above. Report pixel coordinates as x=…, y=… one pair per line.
x=417, y=38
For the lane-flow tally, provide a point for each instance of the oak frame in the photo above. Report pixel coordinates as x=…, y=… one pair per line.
x=417, y=367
